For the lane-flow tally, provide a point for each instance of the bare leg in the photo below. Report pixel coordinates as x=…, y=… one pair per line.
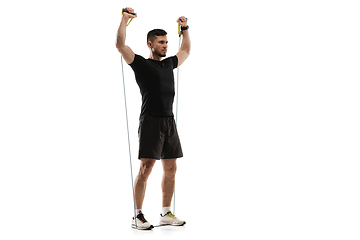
x=146, y=166
x=168, y=181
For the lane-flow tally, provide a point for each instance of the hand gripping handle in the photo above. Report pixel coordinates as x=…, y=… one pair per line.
x=179, y=30
x=125, y=10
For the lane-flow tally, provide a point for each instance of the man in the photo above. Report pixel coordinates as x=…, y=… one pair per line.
x=158, y=137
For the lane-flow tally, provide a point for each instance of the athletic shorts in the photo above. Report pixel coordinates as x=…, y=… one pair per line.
x=158, y=138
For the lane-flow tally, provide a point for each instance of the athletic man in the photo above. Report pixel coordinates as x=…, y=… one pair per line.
x=158, y=137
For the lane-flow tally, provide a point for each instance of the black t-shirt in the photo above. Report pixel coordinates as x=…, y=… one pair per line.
x=156, y=83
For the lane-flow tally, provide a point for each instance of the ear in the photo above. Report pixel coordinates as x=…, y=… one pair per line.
x=149, y=43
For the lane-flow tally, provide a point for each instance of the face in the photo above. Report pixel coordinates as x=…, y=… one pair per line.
x=159, y=46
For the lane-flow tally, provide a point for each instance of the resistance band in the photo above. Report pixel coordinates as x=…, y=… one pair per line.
x=127, y=126
x=177, y=96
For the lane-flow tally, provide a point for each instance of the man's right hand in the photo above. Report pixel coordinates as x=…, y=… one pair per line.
x=129, y=15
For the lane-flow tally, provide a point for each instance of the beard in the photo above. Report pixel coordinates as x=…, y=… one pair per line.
x=160, y=54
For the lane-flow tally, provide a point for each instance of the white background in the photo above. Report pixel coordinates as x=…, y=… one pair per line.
x=268, y=119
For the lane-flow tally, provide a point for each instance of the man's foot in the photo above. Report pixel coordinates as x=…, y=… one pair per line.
x=170, y=219
x=141, y=223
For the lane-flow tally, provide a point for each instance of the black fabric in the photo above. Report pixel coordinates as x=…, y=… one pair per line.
x=158, y=138
x=156, y=82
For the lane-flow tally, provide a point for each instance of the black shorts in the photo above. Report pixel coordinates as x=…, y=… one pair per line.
x=158, y=138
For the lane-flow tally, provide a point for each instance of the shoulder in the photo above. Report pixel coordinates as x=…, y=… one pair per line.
x=172, y=58
x=138, y=60
x=173, y=61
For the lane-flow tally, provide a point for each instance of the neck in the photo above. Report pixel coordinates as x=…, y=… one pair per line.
x=154, y=56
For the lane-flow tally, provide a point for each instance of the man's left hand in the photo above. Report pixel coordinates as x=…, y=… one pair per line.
x=182, y=21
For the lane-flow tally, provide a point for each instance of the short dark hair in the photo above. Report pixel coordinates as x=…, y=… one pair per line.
x=151, y=36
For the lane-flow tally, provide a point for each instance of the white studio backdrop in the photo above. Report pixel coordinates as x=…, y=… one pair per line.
x=268, y=119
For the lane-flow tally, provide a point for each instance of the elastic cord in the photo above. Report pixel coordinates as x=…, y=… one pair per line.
x=177, y=104
x=127, y=126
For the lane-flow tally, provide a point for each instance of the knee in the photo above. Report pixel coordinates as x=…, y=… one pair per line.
x=145, y=170
x=170, y=171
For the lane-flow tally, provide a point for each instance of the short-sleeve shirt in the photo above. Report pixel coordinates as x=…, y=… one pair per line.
x=156, y=83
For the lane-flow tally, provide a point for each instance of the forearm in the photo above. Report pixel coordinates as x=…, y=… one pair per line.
x=121, y=34
x=186, y=43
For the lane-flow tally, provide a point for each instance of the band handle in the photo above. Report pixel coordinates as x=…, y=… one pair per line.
x=125, y=10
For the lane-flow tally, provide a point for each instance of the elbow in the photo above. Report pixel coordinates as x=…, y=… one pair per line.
x=187, y=51
x=119, y=46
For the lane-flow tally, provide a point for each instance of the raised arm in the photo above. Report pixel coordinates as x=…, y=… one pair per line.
x=184, y=52
x=125, y=51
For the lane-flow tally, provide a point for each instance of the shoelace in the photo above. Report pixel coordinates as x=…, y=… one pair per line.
x=170, y=214
x=141, y=217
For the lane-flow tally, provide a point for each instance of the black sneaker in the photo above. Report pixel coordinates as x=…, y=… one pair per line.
x=141, y=223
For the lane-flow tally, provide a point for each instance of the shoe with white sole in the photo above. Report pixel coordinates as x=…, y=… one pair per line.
x=170, y=219
x=141, y=223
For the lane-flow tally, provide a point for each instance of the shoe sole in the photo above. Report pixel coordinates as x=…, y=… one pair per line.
x=135, y=227
x=175, y=225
